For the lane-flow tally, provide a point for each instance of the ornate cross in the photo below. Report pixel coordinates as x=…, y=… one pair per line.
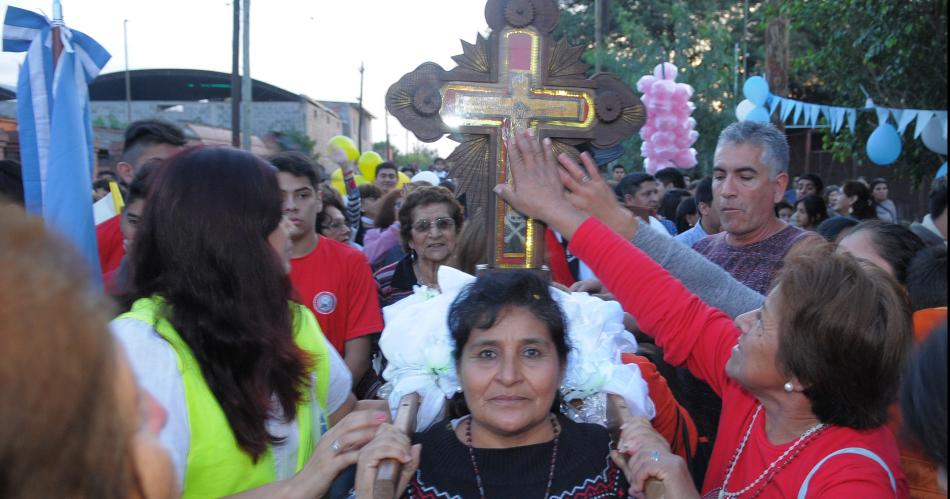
x=519, y=77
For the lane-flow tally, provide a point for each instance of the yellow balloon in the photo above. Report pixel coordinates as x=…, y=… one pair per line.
x=336, y=181
x=403, y=180
x=368, y=162
x=346, y=144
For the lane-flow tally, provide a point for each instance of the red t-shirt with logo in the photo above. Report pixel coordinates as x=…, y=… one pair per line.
x=334, y=281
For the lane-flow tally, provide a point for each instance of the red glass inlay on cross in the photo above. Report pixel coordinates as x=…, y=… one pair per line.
x=519, y=51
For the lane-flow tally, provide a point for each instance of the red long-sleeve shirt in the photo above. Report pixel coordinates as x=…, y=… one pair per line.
x=701, y=337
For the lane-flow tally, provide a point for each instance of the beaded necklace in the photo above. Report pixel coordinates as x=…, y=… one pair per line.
x=772, y=469
x=478, y=475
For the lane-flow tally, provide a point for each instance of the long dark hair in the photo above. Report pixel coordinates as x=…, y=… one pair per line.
x=864, y=207
x=815, y=208
x=203, y=248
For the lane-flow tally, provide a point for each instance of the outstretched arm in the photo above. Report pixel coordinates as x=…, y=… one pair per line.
x=687, y=329
x=707, y=280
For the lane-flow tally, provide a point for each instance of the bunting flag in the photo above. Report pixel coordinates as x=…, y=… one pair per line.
x=835, y=116
x=923, y=117
x=54, y=124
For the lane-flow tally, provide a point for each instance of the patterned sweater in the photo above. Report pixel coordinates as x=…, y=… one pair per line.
x=583, y=468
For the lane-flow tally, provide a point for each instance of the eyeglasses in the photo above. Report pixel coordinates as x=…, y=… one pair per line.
x=425, y=225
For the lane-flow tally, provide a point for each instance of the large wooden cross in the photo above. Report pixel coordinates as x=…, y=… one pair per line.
x=519, y=77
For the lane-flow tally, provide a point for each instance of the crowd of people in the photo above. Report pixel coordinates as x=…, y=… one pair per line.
x=792, y=334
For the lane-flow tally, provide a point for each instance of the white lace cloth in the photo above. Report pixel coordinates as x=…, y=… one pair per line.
x=417, y=343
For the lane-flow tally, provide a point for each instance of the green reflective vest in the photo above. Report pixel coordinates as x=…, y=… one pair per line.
x=216, y=465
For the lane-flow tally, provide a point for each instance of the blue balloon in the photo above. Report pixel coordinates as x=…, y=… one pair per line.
x=884, y=145
x=942, y=172
x=756, y=89
x=758, y=114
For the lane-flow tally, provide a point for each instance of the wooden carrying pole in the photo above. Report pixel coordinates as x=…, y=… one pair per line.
x=387, y=477
x=617, y=414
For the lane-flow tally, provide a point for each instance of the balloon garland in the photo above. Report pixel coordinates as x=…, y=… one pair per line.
x=668, y=133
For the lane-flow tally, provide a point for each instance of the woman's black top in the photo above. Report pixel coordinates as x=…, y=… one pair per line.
x=583, y=468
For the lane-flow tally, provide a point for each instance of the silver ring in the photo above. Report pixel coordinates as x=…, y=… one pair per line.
x=335, y=446
x=655, y=456
x=585, y=179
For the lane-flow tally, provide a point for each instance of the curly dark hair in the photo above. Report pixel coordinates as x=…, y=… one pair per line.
x=424, y=196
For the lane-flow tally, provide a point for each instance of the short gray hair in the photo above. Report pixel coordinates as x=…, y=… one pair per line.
x=774, y=146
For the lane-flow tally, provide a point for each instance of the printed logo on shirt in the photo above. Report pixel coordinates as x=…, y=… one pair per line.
x=324, y=302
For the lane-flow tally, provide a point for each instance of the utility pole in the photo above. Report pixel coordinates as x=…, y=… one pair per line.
x=236, y=76
x=776, y=56
x=359, y=136
x=735, y=73
x=246, y=98
x=598, y=35
x=745, y=40
x=128, y=79
x=389, y=151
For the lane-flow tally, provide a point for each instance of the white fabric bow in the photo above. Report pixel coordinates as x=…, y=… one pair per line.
x=417, y=343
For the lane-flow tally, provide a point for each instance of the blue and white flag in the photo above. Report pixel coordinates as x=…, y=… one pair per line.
x=54, y=125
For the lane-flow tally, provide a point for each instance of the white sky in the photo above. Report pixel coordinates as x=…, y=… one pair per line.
x=311, y=47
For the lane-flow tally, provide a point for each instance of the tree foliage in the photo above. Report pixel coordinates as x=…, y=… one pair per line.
x=421, y=156
x=897, y=51
x=699, y=37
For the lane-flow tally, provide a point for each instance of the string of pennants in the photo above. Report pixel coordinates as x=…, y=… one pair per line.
x=883, y=145
x=808, y=114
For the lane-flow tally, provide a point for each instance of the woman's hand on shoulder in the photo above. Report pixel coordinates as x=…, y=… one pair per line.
x=389, y=443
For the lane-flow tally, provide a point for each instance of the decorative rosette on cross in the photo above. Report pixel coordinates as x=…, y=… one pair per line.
x=416, y=99
x=418, y=346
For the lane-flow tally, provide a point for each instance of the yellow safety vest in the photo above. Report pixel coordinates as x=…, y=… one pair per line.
x=216, y=465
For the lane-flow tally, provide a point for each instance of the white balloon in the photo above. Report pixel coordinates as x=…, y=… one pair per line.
x=744, y=108
x=933, y=137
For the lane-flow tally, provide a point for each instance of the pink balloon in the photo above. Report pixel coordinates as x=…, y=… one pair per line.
x=682, y=114
x=663, y=89
x=681, y=94
x=667, y=122
x=685, y=158
x=683, y=140
x=662, y=139
x=648, y=129
x=665, y=71
x=664, y=153
x=646, y=149
x=645, y=82
x=660, y=105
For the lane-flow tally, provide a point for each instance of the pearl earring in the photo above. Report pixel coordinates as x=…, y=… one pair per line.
x=789, y=387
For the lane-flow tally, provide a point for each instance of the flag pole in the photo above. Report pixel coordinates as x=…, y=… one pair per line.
x=57, y=39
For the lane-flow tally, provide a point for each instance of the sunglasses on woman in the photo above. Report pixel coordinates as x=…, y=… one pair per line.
x=441, y=223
